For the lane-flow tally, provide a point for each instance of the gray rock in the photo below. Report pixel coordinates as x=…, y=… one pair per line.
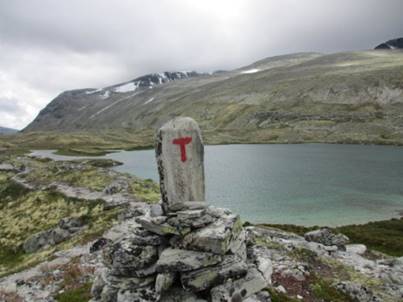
x=202, y=279
x=109, y=294
x=72, y=224
x=216, y=237
x=125, y=257
x=121, y=282
x=178, y=260
x=8, y=167
x=186, y=205
x=240, y=289
x=144, y=237
x=46, y=238
x=156, y=210
x=163, y=282
x=179, y=295
x=357, y=292
x=180, y=159
x=260, y=257
x=262, y=296
x=159, y=226
x=327, y=237
x=190, y=218
x=146, y=294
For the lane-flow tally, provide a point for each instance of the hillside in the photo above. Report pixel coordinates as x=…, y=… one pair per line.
x=4, y=130
x=306, y=97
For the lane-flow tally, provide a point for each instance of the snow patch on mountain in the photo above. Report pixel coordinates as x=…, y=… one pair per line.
x=148, y=101
x=105, y=95
x=253, y=70
x=132, y=86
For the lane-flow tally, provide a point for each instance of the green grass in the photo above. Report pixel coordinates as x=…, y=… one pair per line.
x=280, y=297
x=324, y=291
x=79, y=294
x=384, y=236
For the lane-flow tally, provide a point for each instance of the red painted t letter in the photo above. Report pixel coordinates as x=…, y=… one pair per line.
x=182, y=142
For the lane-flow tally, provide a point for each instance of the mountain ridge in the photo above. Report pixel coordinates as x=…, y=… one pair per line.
x=297, y=97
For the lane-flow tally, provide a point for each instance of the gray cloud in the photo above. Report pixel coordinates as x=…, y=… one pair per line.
x=49, y=46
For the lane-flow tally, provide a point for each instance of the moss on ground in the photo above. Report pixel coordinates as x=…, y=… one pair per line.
x=79, y=294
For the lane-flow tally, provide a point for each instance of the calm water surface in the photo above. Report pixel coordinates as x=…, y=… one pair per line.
x=308, y=184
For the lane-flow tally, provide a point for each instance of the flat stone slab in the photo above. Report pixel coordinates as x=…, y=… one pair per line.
x=180, y=159
x=240, y=289
x=186, y=205
x=216, y=237
x=158, y=225
x=191, y=218
x=178, y=260
x=205, y=278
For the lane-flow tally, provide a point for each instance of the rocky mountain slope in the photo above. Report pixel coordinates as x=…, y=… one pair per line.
x=305, y=97
x=391, y=44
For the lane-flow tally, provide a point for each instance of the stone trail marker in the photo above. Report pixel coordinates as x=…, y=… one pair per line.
x=180, y=159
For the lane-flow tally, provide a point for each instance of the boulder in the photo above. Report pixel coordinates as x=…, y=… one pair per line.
x=178, y=260
x=205, y=278
x=46, y=238
x=215, y=237
x=327, y=237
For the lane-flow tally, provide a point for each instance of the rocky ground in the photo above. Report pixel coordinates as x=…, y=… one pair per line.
x=62, y=239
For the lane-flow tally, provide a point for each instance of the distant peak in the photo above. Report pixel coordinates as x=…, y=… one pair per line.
x=391, y=44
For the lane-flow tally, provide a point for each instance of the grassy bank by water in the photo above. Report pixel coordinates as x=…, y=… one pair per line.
x=384, y=236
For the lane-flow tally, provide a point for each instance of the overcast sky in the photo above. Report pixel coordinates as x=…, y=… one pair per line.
x=49, y=46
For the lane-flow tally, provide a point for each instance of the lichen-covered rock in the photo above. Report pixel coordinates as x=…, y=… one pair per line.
x=357, y=292
x=215, y=237
x=46, y=238
x=145, y=294
x=163, y=282
x=205, y=278
x=190, y=218
x=178, y=260
x=262, y=296
x=240, y=289
x=261, y=258
x=179, y=295
x=125, y=257
x=327, y=237
x=72, y=224
x=144, y=237
x=159, y=226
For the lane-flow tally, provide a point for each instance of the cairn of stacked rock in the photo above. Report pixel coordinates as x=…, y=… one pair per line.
x=187, y=250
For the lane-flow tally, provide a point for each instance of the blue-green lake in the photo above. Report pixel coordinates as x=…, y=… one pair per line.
x=307, y=184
